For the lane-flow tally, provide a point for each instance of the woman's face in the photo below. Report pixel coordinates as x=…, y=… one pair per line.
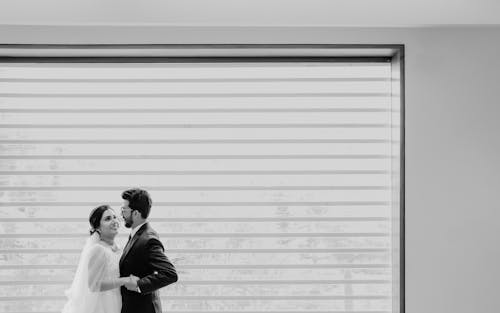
x=109, y=224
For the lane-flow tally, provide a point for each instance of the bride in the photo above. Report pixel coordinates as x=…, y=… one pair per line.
x=97, y=282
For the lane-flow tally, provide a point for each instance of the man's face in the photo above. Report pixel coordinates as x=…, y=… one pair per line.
x=127, y=214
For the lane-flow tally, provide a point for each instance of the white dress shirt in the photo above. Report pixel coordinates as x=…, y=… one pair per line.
x=134, y=230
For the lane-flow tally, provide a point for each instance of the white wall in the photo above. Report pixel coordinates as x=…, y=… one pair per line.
x=452, y=148
x=381, y=13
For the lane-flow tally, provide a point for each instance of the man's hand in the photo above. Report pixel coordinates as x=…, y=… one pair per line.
x=132, y=283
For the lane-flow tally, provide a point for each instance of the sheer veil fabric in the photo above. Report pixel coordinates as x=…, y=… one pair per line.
x=95, y=287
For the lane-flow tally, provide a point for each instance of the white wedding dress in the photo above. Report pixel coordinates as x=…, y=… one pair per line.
x=95, y=288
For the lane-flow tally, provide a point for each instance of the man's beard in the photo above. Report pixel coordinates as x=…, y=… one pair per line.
x=128, y=222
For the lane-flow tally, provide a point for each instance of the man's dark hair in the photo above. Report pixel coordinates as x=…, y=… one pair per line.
x=138, y=199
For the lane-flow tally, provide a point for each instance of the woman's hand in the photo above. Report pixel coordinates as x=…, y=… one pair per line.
x=128, y=280
x=131, y=283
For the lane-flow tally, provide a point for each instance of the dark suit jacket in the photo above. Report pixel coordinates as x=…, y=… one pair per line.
x=144, y=257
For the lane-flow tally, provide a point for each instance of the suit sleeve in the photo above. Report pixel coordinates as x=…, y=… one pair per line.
x=163, y=271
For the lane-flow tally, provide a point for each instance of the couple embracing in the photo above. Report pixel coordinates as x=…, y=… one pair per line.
x=111, y=280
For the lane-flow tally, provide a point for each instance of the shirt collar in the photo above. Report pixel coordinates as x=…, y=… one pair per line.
x=134, y=230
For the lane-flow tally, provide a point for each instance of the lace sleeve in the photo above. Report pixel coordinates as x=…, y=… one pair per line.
x=97, y=267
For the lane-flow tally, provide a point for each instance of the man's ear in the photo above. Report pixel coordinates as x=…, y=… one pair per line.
x=137, y=213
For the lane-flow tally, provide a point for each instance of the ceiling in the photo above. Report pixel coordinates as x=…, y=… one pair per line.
x=293, y=13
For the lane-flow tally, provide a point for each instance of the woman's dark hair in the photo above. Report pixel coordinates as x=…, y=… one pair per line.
x=95, y=217
x=139, y=200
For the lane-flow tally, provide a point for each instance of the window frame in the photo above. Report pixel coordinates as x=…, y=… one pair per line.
x=193, y=53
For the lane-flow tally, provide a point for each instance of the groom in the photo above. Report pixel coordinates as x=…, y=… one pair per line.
x=143, y=256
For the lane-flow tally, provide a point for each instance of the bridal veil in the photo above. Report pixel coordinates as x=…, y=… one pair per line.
x=84, y=293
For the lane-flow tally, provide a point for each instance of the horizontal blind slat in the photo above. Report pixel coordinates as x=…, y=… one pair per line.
x=272, y=183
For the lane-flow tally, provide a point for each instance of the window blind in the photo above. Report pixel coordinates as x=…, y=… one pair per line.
x=272, y=182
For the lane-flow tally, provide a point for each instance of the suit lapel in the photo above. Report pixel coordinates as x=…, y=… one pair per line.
x=132, y=241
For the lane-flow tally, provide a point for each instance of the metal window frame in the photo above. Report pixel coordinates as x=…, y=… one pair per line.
x=199, y=53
